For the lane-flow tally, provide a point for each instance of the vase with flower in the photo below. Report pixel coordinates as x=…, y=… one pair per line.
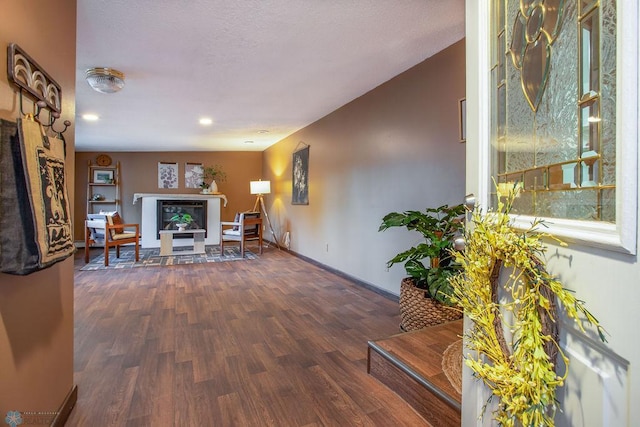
x=211, y=174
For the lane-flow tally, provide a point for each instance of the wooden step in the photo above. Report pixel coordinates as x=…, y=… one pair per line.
x=410, y=364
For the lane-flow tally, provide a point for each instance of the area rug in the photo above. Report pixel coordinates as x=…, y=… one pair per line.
x=151, y=258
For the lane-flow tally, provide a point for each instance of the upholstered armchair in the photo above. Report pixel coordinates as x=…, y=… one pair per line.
x=246, y=227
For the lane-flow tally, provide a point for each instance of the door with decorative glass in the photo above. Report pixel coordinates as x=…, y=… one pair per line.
x=552, y=110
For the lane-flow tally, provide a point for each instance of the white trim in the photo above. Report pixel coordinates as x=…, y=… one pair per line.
x=474, y=393
x=588, y=233
x=627, y=58
x=478, y=90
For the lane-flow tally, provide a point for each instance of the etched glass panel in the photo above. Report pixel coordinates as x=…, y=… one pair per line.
x=553, y=123
x=585, y=5
x=563, y=176
x=589, y=129
x=608, y=205
x=518, y=41
x=553, y=17
x=497, y=27
x=535, y=179
x=526, y=6
x=589, y=172
x=590, y=54
x=502, y=110
x=608, y=91
x=501, y=61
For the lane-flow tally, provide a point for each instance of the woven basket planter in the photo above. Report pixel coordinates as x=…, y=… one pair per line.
x=418, y=311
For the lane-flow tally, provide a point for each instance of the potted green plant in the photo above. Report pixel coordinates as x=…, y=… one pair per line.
x=211, y=174
x=425, y=296
x=182, y=220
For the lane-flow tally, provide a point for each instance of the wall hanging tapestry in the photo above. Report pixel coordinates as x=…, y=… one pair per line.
x=35, y=220
x=300, y=179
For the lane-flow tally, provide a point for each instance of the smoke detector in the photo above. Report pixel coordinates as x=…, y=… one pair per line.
x=105, y=80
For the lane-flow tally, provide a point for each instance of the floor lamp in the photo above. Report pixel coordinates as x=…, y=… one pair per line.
x=259, y=188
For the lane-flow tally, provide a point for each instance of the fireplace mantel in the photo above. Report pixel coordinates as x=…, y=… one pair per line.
x=149, y=232
x=171, y=196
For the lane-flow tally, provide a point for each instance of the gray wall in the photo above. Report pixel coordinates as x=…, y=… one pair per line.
x=394, y=148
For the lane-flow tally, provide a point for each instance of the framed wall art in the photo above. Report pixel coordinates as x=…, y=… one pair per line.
x=193, y=175
x=167, y=175
x=300, y=178
x=102, y=176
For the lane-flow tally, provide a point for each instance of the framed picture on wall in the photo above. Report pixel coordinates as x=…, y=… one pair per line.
x=167, y=175
x=193, y=175
x=102, y=176
x=300, y=179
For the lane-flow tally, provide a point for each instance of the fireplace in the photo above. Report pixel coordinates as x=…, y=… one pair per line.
x=149, y=219
x=166, y=209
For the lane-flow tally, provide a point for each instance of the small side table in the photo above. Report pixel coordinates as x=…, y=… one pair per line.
x=166, y=242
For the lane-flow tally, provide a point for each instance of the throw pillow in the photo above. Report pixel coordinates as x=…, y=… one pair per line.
x=117, y=220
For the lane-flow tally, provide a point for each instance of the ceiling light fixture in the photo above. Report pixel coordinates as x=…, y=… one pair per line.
x=205, y=121
x=90, y=117
x=105, y=80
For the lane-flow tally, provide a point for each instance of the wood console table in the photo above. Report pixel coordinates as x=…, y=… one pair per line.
x=166, y=242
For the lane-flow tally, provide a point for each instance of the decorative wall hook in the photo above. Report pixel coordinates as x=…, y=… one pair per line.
x=40, y=105
x=29, y=76
x=33, y=81
x=66, y=124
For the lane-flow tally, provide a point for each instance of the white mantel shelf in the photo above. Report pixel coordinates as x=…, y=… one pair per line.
x=149, y=232
x=171, y=196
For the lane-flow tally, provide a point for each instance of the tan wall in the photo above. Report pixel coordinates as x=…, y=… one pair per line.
x=393, y=149
x=139, y=172
x=36, y=311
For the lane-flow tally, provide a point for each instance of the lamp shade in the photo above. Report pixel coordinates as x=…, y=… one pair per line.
x=260, y=187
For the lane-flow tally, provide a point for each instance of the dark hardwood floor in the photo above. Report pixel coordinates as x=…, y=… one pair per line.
x=269, y=342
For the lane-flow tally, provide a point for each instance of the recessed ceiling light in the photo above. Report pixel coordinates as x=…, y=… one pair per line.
x=90, y=117
x=263, y=131
x=248, y=142
x=206, y=121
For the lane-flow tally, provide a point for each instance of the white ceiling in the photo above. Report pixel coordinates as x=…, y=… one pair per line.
x=250, y=65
